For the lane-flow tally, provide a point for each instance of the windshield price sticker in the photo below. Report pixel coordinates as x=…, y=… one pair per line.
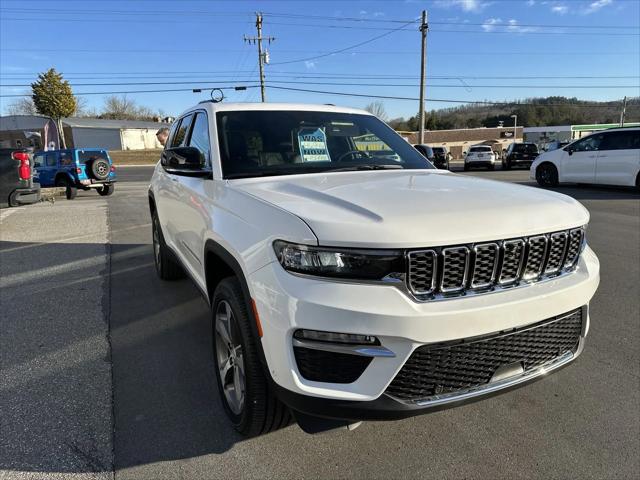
x=313, y=145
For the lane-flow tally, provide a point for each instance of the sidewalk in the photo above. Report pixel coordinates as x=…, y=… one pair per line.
x=55, y=366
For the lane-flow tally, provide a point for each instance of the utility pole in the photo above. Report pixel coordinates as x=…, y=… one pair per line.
x=624, y=111
x=423, y=72
x=263, y=57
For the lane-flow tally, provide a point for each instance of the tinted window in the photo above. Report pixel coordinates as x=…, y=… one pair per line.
x=629, y=140
x=179, y=140
x=480, y=149
x=38, y=160
x=525, y=148
x=51, y=159
x=587, y=144
x=85, y=156
x=200, y=135
x=255, y=143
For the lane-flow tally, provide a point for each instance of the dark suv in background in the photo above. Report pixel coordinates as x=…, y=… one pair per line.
x=16, y=178
x=75, y=169
x=520, y=154
x=429, y=154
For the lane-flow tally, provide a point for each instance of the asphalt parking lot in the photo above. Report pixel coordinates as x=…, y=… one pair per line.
x=105, y=370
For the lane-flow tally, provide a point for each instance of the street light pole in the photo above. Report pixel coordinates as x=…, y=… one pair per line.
x=515, y=127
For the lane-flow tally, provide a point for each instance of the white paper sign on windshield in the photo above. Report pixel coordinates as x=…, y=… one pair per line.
x=313, y=145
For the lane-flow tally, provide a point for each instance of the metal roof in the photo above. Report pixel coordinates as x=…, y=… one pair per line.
x=76, y=122
x=23, y=122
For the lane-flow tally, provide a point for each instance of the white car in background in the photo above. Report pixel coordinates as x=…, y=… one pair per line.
x=610, y=157
x=480, y=156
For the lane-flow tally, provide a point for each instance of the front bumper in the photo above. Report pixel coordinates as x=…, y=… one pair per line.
x=287, y=302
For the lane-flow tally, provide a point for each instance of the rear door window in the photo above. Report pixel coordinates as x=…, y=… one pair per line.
x=200, y=136
x=629, y=140
x=51, y=159
x=85, y=156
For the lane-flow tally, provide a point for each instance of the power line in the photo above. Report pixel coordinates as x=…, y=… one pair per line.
x=81, y=94
x=377, y=37
x=311, y=82
x=439, y=100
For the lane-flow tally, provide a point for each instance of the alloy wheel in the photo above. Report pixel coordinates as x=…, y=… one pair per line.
x=230, y=359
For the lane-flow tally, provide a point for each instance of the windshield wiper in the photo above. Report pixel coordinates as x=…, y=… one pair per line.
x=366, y=167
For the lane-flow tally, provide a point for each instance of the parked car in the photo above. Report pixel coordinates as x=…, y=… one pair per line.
x=480, y=156
x=441, y=157
x=609, y=157
x=73, y=169
x=346, y=286
x=17, y=186
x=427, y=152
x=520, y=154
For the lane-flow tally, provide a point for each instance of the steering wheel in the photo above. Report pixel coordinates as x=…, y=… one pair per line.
x=355, y=154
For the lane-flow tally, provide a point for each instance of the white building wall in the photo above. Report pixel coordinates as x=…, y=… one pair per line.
x=139, y=139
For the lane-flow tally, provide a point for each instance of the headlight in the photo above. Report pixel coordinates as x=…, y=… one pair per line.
x=340, y=263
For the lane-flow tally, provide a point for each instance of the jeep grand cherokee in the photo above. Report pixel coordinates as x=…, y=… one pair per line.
x=338, y=291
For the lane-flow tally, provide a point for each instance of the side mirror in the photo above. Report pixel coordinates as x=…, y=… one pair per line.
x=184, y=161
x=570, y=151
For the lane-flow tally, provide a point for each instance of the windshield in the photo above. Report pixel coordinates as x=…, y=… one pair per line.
x=84, y=156
x=525, y=148
x=438, y=150
x=480, y=149
x=258, y=143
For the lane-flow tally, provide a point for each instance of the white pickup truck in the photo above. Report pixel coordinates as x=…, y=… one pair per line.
x=348, y=284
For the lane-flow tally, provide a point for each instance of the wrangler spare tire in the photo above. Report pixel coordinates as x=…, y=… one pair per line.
x=98, y=168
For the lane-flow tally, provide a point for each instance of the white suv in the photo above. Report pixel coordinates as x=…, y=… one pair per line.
x=338, y=291
x=480, y=156
x=609, y=157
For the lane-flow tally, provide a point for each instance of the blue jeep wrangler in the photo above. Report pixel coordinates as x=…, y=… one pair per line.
x=75, y=168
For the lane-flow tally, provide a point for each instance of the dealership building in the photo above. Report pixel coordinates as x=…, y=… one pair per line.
x=458, y=141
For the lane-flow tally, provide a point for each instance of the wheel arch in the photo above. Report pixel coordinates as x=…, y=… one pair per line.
x=219, y=264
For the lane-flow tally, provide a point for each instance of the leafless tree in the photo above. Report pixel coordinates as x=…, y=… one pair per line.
x=377, y=108
x=123, y=108
x=21, y=106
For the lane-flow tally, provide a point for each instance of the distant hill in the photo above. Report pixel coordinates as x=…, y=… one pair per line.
x=532, y=112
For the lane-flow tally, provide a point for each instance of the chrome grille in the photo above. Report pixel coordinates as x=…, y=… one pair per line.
x=455, y=263
x=512, y=257
x=573, y=248
x=557, y=247
x=537, y=250
x=422, y=278
x=454, y=270
x=485, y=265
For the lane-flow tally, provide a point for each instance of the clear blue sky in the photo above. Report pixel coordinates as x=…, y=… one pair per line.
x=129, y=41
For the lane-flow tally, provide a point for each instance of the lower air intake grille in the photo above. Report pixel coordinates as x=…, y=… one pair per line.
x=450, y=367
x=323, y=366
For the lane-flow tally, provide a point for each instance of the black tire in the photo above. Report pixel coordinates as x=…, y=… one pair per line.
x=466, y=167
x=261, y=411
x=166, y=265
x=71, y=191
x=447, y=167
x=506, y=165
x=98, y=169
x=491, y=167
x=547, y=175
x=106, y=190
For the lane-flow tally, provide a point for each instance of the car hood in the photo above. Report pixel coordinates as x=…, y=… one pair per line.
x=414, y=208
